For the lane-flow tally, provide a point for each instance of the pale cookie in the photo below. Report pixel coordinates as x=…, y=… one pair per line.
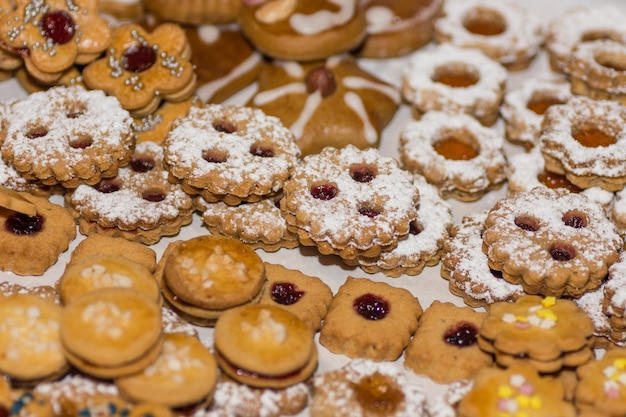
x=371, y=320
x=99, y=244
x=264, y=346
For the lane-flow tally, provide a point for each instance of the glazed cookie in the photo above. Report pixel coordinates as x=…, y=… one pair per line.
x=423, y=246
x=601, y=384
x=371, y=320
x=330, y=103
x=184, y=373
x=538, y=238
x=99, y=244
x=466, y=267
x=139, y=204
x=519, y=390
x=264, y=346
x=396, y=28
x=581, y=24
x=504, y=30
x=31, y=244
x=141, y=69
x=365, y=388
x=230, y=153
x=196, y=12
x=454, y=152
x=30, y=346
x=260, y=224
x=306, y=296
x=523, y=108
x=455, y=80
x=301, y=30
x=67, y=136
x=445, y=346
x=547, y=333
x=155, y=126
x=350, y=202
x=52, y=35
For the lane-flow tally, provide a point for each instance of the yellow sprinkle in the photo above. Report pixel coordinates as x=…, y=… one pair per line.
x=504, y=391
x=620, y=363
x=548, y=301
x=521, y=414
x=535, y=402
x=523, y=401
x=546, y=314
x=523, y=319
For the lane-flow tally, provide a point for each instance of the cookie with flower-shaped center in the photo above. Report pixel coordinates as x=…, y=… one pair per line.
x=350, y=202
x=143, y=68
x=548, y=333
x=602, y=384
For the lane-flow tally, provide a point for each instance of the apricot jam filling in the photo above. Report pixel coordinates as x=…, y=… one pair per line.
x=455, y=148
x=378, y=394
x=593, y=138
x=538, y=104
x=485, y=22
x=456, y=76
x=554, y=181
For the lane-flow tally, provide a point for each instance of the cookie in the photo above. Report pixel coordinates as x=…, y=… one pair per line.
x=455, y=80
x=264, y=346
x=141, y=69
x=306, y=296
x=600, y=388
x=303, y=31
x=592, y=303
x=67, y=136
x=99, y=244
x=329, y=103
x=48, y=292
x=32, y=244
x=196, y=12
x=547, y=333
x=350, y=202
x=612, y=302
x=155, y=126
x=230, y=153
x=371, y=320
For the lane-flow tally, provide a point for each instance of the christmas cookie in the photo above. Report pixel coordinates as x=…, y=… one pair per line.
x=155, y=126
x=196, y=12
x=99, y=244
x=601, y=388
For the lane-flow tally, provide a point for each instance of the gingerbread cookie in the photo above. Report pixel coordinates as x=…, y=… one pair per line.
x=331, y=103
x=601, y=388
x=196, y=12
x=371, y=320
x=99, y=244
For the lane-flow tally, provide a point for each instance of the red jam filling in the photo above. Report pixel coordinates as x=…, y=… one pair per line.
x=562, y=251
x=527, y=223
x=371, y=307
x=285, y=293
x=153, y=196
x=324, y=192
x=142, y=164
x=58, y=25
x=214, y=157
x=575, y=219
x=224, y=127
x=107, y=186
x=369, y=212
x=81, y=142
x=415, y=228
x=38, y=132
x=362, y=173
x=262, y=151
x=463, y=334
x=138, y=58
x=21, y=224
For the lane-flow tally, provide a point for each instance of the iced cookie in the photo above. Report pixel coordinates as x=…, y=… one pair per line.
x=350, y=202
x=67, y=136
x=455, y=153
x=366, y=388
x=547, y=333
x=329, y=103
x=551, y=241
x=143, y=68
x=371, y=320
x=306, y=296
x=301, y=30
x=445, y=345
x=601, y=388
x=230, y=153
x=264, y=346
x=99, y=244
x=196, y=12
x=138, y=204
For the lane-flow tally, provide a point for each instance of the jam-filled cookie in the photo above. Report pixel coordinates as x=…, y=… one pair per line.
x=454, y=152
x=230, y=153
x=350, y=202
x=551, y=241
x=371, y=320
x=67, y=136
x=138, y=204
x=455, y=80
x=330, y=103
x=143, y=68
x=613, y=301
x=303, y=30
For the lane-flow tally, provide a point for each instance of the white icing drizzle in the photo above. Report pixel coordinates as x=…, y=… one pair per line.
x=323, y=20
x=268, y=96
x=208, y=90
x=356, y=104
x=292, y=68
x=209, y=34
x=379, y=19
x=311, y=104
x=357, y=83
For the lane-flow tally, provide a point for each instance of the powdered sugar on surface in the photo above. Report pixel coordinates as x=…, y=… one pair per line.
x=74, y=387
x=591, y=303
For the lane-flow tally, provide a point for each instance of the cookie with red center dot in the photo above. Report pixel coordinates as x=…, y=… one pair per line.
x=230, y=153
x=551, y=241
x=445, y=345
x=143, y=68
x=51, y=36
x=350, y=202
x=369, y=319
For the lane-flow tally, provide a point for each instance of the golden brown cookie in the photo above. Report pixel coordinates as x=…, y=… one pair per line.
x=601, y=384
x=371, y=320
x=99, y=244
x=196, y=12
x=43, y=291
x=155, y=126
x=612, y=301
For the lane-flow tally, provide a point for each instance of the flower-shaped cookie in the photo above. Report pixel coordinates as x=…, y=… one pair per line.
x=602, y=384
x=142, y=68
x=53, y=35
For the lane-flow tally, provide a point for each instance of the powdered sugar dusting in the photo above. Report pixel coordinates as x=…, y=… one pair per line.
x=591, y=303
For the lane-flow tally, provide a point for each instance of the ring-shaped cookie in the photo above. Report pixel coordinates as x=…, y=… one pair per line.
x=585, y=140
x=454, y=152
x=504, y=30
x=456, y=80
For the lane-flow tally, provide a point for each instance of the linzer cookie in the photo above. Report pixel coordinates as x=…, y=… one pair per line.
x=547, y=333
x=138, y=204
x=613, y=303
x=67, y=136
x=350, y=202
x=264, y=346
x=331, y=103
x=371, y=320
x=551, y=241
x=301, y=30
x=142, y=68
x=230, y=153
